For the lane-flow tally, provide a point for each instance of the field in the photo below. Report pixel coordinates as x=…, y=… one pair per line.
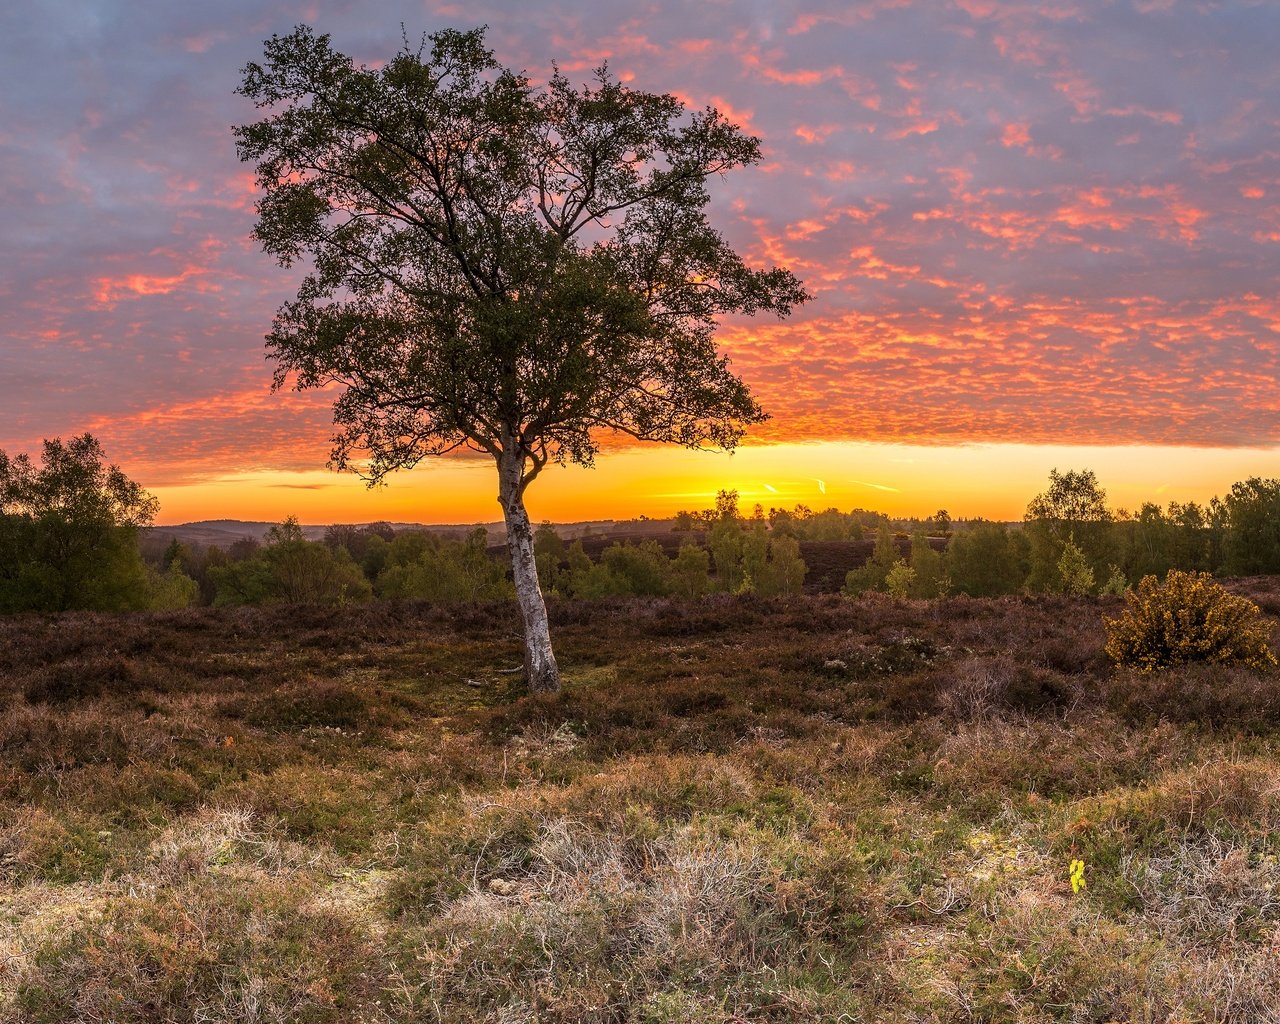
x=740, y=810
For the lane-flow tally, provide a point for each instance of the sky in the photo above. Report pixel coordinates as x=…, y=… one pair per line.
x=1037, y=235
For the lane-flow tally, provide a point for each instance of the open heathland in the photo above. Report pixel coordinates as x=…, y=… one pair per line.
x=739, y=809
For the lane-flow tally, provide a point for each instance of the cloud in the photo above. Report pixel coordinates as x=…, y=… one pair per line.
x=1020, y=221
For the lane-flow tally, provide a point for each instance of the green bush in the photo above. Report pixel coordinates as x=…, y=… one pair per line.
x=690, y=570
x=420, y=565
x=1187, y=618
x=171, y=589
x=1074, y=573
x=875, y=573
x=987, y=560
x=900, y=579
x=644, y=566
x=291, y=570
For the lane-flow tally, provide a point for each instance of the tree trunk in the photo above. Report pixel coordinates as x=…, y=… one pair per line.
x=541, y=671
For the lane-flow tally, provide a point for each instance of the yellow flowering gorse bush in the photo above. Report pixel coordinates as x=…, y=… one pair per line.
x=1187, y=618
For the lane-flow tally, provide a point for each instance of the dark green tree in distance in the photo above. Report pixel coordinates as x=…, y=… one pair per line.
x=68, y=531
x=987, y=559
x=1251, y=544
x=1150, y=541
x=498, y=267
x=1191, y=541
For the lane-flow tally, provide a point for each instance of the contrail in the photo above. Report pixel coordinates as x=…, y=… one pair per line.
x=878, y=487
x=822, y=486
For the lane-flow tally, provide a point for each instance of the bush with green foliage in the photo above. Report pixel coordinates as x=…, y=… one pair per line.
x=171, y=589
x=424, y=566
x=874, y=574
x=1188, y=618
x=288, y=569
x=1116, y=583
x=691, y=570
x=549, y=552
x=644, y=566
x=596, y=581
x=987, y=560
x=930, y=578
x=1075, y=576
x=900, y=579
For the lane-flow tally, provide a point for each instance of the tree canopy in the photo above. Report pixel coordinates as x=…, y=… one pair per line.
x=68, y=530
x=498, y=266
x=1073, y=497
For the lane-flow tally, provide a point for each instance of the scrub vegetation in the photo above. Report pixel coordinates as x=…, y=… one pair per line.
x=740, y=808
x=976, y=785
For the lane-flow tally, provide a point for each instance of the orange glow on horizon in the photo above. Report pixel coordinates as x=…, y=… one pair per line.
x=987, y=481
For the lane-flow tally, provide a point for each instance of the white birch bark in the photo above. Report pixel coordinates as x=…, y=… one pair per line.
x=541, y=671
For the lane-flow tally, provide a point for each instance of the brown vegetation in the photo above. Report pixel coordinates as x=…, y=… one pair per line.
x=738, y=810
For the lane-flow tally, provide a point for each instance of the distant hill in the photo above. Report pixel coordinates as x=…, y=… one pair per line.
x=225, y=532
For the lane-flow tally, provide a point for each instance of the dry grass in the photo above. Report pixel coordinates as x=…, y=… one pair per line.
x=739, y=810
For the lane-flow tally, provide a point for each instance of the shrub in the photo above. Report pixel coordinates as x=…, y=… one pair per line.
x=422, y=566
x=1187, y=618
x=690, y=570
x=900, y=579
x=1074, y=573
x=170, y=590
x=1116, y=584
x=289, y=569
x=875, y=573
x=644, y=566
x=930, y=575
x=987, y=560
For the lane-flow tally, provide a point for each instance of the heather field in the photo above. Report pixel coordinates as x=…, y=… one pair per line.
x=803, y=809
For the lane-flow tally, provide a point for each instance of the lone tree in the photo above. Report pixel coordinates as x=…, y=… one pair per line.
x=68, y=530
x=498, y=266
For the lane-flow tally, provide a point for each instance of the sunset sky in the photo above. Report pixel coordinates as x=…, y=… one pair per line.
x=1038, y=235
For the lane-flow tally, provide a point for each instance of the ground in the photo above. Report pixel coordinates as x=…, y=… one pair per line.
x=815, y=809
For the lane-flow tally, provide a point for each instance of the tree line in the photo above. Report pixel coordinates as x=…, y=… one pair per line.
x=71, y=526
x=1071, y=541
x=362, y=563
x=71, y=538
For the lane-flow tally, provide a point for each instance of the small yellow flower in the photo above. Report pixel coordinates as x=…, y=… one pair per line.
x=1077, y=875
